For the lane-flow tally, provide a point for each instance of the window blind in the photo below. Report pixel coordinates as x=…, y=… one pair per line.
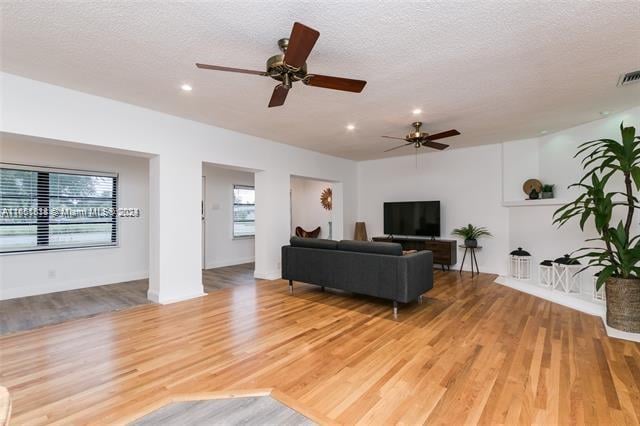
x=244, y=211
x=48, y=209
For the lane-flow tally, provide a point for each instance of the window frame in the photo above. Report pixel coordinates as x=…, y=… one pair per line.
x=233, y=205
x=59, y=170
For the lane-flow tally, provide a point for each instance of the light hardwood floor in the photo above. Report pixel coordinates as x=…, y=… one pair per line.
x=473, y=352
x=28, y=313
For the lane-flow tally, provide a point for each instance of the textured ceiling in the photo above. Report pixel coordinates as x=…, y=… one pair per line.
x=494, y=70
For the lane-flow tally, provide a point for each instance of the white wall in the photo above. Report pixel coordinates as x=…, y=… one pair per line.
x=520, y=161
x=467, y=182
x=473, y=185
x=221, y=249
x=178, y=148
x=306, y=209
x=531, y=227
x=44, y=272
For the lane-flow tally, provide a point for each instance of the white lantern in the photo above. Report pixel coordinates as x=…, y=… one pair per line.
x=545, y=271
x=520, y=264
x=598, y=294
x=565, y=274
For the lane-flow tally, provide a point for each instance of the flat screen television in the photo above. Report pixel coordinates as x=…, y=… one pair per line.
x=419, y=218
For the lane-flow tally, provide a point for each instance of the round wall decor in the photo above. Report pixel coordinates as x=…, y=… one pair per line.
x=530, y=184
x=326, y=198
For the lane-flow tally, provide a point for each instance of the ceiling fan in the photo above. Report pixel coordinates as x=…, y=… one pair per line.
x=418, y=138
x=290, y=66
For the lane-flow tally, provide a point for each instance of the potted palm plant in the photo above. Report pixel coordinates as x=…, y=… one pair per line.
x=618, y=254
x=471, y=234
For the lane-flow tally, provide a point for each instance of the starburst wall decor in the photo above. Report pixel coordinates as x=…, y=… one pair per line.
x=326, y=198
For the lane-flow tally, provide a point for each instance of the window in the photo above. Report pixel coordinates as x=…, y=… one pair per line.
x=48, y=209
x=244, y=211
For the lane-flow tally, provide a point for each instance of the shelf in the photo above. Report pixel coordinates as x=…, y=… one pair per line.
x=540, y=202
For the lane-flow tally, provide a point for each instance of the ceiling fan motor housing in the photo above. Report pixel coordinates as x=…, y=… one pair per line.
x=277, y=69
x=417, y=136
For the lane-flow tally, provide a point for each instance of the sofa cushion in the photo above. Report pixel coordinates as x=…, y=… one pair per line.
x=393, y=249
x=316, y=243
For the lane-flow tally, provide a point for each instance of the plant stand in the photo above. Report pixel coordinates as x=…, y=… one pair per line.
x=472, y=258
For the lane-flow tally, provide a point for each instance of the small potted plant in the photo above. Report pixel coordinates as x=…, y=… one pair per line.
x=547, y=191
x=471, y=234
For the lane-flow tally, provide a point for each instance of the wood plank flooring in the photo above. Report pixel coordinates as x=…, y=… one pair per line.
x=28, y=313
x=228, y=277
x=246, y=411
x=473, y=353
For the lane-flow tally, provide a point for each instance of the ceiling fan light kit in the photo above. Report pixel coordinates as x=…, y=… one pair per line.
x=290, y=66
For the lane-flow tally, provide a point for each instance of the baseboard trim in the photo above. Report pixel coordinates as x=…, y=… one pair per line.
x=229, y=262
x=155, y=297
x=588, y=307
x=618, y=334
x=26, y=290
x=268, y=275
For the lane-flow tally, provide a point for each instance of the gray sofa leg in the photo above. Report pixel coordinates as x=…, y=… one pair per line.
x=395, y=309
x=420, y=299
x=290, y=287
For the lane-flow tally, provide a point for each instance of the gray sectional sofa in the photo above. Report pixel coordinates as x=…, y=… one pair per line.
x=370, y=268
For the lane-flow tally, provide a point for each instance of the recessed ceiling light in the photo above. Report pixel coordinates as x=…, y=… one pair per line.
x=604, y=113
x=186, y=87
x=351, y=126
x=544, y=132
x=417, y=111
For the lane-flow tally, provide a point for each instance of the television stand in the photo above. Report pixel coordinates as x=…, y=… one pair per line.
x=444, y=252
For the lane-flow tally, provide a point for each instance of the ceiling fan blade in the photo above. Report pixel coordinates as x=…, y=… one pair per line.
x=400, y=146
x=442, y=135
x=393, y=137
x=335, y=83
x=435, y=145
x=240, y=70
x=301, y=41
x=279, y=95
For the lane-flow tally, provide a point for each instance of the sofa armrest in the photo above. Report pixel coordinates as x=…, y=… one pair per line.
x=415, y=275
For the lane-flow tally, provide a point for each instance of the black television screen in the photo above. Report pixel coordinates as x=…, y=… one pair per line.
x=420, y=218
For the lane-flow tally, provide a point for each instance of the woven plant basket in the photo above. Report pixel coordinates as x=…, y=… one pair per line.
x=623, y=304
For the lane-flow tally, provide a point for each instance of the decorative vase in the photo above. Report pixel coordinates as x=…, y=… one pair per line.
x=361, y=232
x=623, y=304
x=546, y=195
x=471, y=242
x=534, y=195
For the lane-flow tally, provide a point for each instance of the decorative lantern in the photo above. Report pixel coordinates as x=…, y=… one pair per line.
x=565, y=277
x=520, y=264
x=546, y=273
x=599, y=295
